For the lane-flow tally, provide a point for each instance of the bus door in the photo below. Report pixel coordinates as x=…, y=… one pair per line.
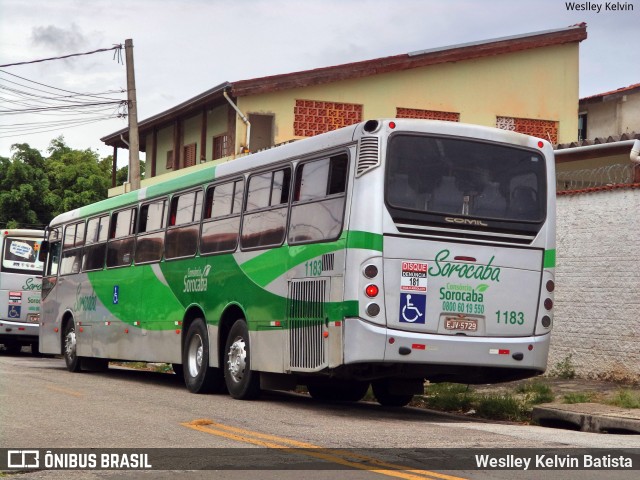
x=50, y=315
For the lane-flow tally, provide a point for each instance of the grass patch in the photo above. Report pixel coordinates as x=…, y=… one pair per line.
x=626, y=399
x=449, y=397
x=578, y=397
x=513, y=406
x=564, y=369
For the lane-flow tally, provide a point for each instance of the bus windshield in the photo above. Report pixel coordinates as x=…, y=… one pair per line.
x=21, y=256
x=454, y=176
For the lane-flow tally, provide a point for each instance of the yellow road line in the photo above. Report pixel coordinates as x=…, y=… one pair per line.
x=65, y=391
x=340, y=457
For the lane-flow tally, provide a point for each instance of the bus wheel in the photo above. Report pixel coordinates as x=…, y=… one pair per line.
x=13, y=348
x=70, y=354
x=338, y=391
x=388, y=399
x=242, y=382
x=199, y=377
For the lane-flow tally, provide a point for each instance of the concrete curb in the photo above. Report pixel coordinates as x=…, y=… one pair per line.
x=588, y=417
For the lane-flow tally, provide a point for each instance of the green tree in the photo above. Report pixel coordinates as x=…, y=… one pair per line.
x=76, y=177
x=25, y=200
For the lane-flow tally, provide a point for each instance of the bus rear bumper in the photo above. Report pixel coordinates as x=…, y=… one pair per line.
x=445, y=355
x=18, y=331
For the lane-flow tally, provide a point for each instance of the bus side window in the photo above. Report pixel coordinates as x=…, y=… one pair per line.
x=221, y=223
x=265, y=219
x=121, y=244
x=72, y=248
x=184, y=225
x=150, y=243
x=53, y=258
x=96, y=243
x=318, y=209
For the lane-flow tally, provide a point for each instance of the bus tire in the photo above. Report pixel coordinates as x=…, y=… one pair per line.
x=338, y=390
x=69, y=348
x=386, y=398
x=242, y=382
x=13, y=348
x=198, y=376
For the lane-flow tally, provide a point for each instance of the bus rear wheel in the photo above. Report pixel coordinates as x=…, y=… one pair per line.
x=242, y=382
x=199, y=377
x=387, y=398
x=69, y=349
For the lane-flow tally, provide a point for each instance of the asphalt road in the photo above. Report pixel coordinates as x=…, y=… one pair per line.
x=42, y=406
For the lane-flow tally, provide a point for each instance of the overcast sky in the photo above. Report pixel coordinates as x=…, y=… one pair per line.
x=184, y=47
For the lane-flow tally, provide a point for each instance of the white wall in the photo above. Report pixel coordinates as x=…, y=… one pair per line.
x=597, y=301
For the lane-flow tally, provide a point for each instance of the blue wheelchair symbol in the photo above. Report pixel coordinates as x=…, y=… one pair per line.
x=412, y=308
x=14, y=311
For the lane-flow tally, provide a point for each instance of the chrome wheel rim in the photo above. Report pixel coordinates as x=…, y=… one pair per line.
x=70, y=344
x=195, y=355
x=237, y=362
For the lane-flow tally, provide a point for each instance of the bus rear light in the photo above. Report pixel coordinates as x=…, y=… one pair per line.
x=551, y=286
x=370, y=271
x=325, y=334
x=392, y=125
x=546, y=321
x=548, y=304
x=392, y=340
x=530, y=347
x=371, y=291
x=373, y=309
x=540, y=144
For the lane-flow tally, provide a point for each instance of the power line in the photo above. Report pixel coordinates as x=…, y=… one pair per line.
x=115, y=47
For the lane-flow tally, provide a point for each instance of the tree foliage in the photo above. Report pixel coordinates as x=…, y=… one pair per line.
x=35, y=188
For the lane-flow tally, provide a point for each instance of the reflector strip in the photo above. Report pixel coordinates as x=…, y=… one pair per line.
x=418, y=346
x=277, y=323
x=136, y=323
x=107, y=323
x=338, y=324
x=495, y=351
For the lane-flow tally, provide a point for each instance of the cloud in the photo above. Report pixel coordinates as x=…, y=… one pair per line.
x=58, y=39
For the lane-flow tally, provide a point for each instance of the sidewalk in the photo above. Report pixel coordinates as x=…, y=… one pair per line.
x=595, y=416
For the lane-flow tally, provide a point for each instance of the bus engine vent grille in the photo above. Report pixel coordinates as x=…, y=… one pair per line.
x=369, y=155
x=306, y=323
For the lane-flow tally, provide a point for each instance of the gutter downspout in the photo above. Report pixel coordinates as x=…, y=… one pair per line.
x=635, y=152
x=244, y=119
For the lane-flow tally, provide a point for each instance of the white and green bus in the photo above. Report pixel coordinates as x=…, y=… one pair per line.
x=20, y=284
x=382, y=254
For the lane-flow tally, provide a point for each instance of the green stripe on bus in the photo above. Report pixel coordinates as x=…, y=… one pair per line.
x=282, y=259
x=549, y=258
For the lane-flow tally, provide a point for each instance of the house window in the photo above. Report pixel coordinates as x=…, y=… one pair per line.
x=169, y=159
x=582, y=126
x=220, y=146
x=427, y=114
x=546, y=129
x=190, y=155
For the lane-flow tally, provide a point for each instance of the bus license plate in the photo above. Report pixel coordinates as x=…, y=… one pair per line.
x=461, y=324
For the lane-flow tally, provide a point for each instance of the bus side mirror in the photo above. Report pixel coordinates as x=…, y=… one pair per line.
x=44, y=250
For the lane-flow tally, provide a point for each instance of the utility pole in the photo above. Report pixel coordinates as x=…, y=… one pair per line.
x=134, y=141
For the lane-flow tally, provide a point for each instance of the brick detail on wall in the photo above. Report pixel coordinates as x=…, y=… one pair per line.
x=427, y=114
x=546, y=129
x=597, y=297
x=312, y=117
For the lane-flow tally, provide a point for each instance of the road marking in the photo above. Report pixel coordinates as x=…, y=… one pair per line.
x=340, y=457
x=65, y=391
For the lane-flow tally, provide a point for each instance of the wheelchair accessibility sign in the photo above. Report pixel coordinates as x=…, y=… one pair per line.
x=412, y=308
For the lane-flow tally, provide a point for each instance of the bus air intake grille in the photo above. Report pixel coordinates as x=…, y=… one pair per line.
x=369, y=157
x=306, y=323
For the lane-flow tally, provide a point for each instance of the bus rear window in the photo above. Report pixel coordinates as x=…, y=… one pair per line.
x=454, y=176
x=21, y=256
